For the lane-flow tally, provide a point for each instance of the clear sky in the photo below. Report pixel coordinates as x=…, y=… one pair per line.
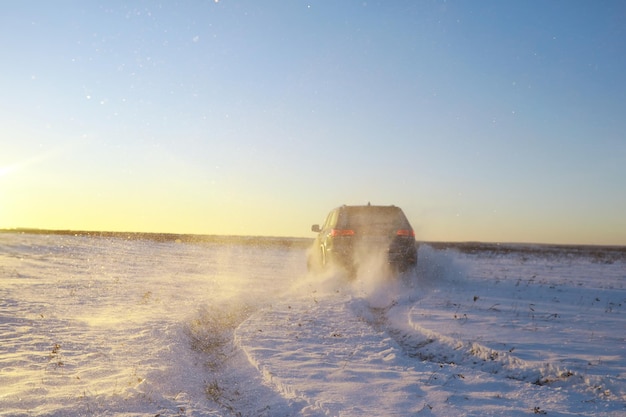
x=500, y=121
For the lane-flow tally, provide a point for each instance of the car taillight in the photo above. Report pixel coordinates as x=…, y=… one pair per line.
x=341, y=232
x=406, y=232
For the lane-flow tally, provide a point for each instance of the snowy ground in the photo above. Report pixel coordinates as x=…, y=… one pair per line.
x=139, y=327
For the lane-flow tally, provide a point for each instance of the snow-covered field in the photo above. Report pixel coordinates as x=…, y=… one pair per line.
x=143, y=327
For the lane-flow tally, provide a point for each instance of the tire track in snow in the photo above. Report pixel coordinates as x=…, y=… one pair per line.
x=322, y=353
x=431, y=346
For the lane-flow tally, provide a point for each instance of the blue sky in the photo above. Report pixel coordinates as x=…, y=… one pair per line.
x=487, y=120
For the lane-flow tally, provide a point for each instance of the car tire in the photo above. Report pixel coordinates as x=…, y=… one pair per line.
x=323, y=260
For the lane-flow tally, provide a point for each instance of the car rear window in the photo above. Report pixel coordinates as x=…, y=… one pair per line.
x=374, y=218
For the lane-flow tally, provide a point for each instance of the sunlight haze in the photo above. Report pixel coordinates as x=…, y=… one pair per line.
x=484, y=121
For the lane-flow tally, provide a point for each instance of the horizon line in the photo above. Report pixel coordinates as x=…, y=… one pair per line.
x=208, y=237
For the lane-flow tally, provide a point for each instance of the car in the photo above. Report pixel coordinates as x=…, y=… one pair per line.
x=352, y=235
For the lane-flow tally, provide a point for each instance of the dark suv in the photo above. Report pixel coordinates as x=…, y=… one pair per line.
x=353, y=234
